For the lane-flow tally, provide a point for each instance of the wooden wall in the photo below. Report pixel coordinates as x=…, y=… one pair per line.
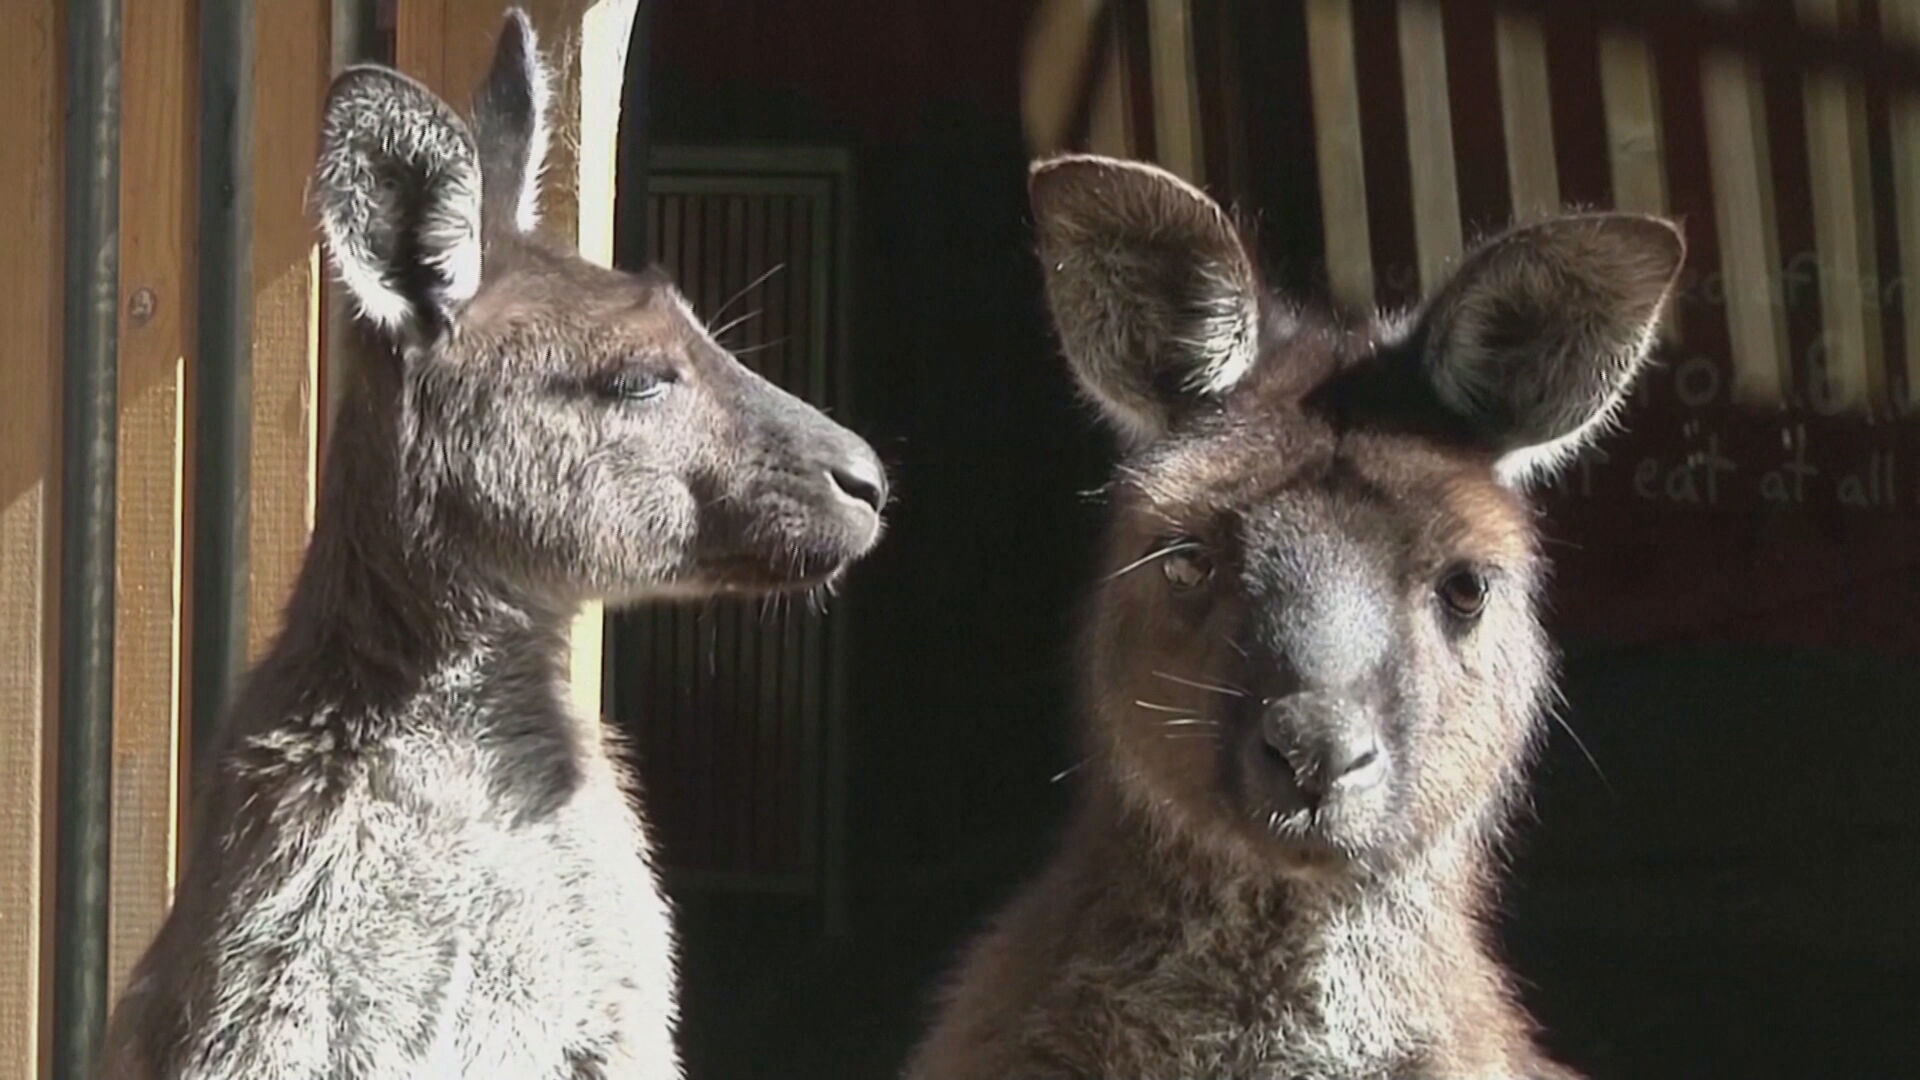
x=30, y=269
x=446, y=42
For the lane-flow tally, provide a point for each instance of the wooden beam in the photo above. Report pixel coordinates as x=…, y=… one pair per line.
x=1070, y=51
x=292, y=68
x=585, y=42
x=30, y=309
x=1901, y=19
x=158, y=203
x=1851, y=374
x=1108, y=129
x=1176, y=97
x=1342, y=164
x=1741, y=165
x=420, y=42
x=1436, y=190
x=1526, y=114
x=1631, y=93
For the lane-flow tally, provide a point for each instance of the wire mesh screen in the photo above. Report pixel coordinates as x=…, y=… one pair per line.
x=732, y=703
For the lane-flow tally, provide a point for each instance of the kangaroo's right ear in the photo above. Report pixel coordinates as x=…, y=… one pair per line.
x=397, y=189
x=1154, y=296
x=510, y=128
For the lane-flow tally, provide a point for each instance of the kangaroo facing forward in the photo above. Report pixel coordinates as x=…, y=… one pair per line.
x=412, y=857
x=1313, y=668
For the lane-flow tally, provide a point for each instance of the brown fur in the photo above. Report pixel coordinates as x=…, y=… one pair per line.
x=1300, y=753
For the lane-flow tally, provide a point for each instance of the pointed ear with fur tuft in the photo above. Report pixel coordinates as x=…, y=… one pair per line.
x=397, y=191
x=1537, y=338
x=510, y=129
x=1154, y=297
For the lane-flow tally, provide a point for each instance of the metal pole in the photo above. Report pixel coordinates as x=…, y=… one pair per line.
x=223, y=371
x=89, y=434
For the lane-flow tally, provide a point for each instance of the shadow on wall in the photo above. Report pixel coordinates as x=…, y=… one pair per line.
x=1730, y=892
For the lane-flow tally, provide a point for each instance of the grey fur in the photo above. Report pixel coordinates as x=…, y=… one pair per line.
x=1302, y=741
x=412, y=855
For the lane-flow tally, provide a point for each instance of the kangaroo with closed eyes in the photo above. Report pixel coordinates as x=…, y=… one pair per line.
x=413, y=856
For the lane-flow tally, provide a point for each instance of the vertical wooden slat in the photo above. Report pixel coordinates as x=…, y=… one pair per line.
x=1436, y=194
x=447, y=44
x=1854, y=367
x=1176, y=99
x=293, y=67
x=1108, y=131
x=1630, y=94
x=1743, y=201
x=1342, y=163
x=158, y=200
x=420, y=42
x=1526, y=113
x=1901, y=19
x=593, y=37
x=1632, y=98
x=30, y=309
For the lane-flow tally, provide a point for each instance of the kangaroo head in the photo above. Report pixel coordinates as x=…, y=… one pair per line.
x=1315, y=640
x=564, y=425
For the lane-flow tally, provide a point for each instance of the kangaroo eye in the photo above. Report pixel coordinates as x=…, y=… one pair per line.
x=1187, y=567
x=633, y=384
x=1464, y=591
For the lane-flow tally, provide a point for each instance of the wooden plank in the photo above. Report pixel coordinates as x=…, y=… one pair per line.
x=448, y=44
x=1901, y=20
x=1738, y=158
x=30, y=263
x=1176, y=96
x=1852, y=360
x=1063, y=38
x=1631, y=94
x=587, y=132
x=420, y=42
x=1526, y=114
x=1436, y=192
x=158, y=205
x=1337, y=142
x=293, y=67
x=1108, y=130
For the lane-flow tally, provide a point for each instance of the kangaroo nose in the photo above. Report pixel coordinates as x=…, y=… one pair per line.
x=1328, y=742
x=862, y=479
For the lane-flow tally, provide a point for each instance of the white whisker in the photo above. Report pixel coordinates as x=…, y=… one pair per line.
x=1066, y=772
x=1156, y=707
x=1210, y=687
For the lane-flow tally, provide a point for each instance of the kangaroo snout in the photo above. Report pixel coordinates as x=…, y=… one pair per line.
x=1329, y=742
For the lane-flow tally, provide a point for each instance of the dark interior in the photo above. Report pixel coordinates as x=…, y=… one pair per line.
x=1721, y=882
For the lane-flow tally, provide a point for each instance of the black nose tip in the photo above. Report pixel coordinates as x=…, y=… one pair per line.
x=1328, y=740
x=862, y=480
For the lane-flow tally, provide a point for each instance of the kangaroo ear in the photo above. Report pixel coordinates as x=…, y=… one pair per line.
x=397, y=189
x=1154, y=297
x=1537, y=338
x=510, y=129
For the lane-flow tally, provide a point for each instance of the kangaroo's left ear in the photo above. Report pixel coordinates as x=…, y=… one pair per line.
x=1537, y=338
